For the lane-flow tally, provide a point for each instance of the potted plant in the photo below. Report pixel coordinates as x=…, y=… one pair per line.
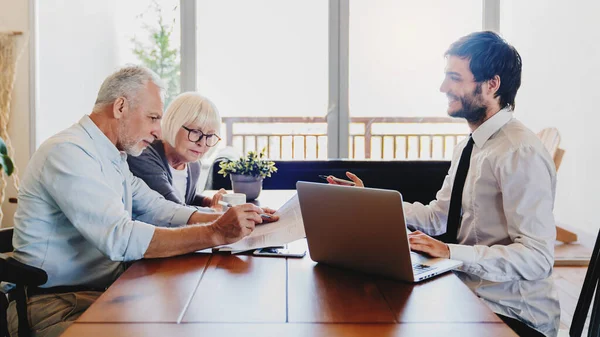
x=248, y=172
x=5, y=162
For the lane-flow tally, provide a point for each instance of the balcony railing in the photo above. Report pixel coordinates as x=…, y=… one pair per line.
x=370, y=138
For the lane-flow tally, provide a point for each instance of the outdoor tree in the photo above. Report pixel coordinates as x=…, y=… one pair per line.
x=159, y=54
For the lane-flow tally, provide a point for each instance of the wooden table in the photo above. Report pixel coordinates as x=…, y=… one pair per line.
x=232, y=295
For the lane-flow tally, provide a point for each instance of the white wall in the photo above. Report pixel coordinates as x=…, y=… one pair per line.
x=76, y=51
x=14, y=16
x=559, y=42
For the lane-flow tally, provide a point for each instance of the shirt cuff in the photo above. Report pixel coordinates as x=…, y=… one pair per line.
x=139, y=240
x=463, y=253
x=205, y=209
x=407, y=208
x=182, y=215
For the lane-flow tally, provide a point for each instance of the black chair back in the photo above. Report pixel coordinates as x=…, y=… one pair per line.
x=591, y=285
x=417, y=180
x=22, y=276
x=6, y=240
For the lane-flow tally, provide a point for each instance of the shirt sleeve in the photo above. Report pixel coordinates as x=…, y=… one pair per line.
x=527, y=180
x=94, y=208
x=432, y=219
x=151, y=207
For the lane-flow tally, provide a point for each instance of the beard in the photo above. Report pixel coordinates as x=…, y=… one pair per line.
x=472, y=107
x=133, y=147
x=135, y=150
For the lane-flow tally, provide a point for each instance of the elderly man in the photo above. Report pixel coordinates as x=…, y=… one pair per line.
x=81, y=212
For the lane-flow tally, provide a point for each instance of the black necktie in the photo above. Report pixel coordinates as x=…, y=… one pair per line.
x=454, y=213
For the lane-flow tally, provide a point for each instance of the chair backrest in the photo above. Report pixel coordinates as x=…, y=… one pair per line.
x=591, y=285
x=417, y=180
x=6, y=240
x=550, y=137
x=13, y=271
x=21, y=275
x=215, y=181
x=5, y=247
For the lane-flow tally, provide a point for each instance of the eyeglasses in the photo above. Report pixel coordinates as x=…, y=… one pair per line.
x=197, y=135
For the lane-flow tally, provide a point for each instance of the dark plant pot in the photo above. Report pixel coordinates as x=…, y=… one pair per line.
x=249, y=185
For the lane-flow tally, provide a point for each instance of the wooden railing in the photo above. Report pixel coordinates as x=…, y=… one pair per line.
x=364, y=143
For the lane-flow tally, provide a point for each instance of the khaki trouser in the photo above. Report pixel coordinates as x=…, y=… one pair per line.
x=50, y=315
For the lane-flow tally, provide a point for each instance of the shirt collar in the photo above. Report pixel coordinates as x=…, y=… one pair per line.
x=491, y=126
x=102, y=142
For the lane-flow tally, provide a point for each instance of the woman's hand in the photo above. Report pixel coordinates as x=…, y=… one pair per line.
x=271, y=213
x=214, y=201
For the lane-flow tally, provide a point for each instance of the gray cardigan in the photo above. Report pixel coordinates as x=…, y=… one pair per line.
x=153, y=168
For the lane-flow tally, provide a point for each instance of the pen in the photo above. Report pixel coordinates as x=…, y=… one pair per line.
x=338, y=180
x=226, y=204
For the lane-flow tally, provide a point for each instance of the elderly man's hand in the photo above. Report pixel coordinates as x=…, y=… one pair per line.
x=421, y=242
x=237, y=223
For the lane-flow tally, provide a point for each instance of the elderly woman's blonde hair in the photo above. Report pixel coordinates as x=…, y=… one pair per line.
x=189, y=108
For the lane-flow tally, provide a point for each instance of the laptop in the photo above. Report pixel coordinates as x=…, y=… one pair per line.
x=363, y=229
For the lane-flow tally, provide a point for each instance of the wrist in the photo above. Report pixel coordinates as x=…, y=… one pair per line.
x=200, y=217
x=447, y=251
x=215, y=236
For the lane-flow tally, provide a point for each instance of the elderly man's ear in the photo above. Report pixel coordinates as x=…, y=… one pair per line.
x=120, y=107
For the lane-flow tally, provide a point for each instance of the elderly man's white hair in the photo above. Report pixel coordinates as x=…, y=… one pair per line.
x=126, y=82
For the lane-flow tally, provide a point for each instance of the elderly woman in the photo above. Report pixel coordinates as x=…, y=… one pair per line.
x=171, y=166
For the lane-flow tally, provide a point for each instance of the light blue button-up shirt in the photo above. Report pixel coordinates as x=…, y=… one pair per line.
x=81, y=212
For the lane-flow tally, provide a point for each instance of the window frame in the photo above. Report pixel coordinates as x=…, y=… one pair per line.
x=338, y=113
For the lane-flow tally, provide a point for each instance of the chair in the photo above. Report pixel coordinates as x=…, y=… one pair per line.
x=215, y=181
x=551, y=140
x=591, y=285
x=417, y=180
x=22, y=276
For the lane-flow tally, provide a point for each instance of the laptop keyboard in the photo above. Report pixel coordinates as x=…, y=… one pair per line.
x=420, y=268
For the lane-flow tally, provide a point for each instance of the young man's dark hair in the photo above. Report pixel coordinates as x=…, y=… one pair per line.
x=491, y=55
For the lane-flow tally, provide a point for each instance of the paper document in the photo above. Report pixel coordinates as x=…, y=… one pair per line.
x=289, y=228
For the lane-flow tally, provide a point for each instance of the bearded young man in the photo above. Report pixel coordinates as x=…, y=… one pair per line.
x=495, y=207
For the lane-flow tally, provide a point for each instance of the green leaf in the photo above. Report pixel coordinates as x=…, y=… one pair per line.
x=159, y=55
x=3, y=149
x=252, y=164
x=7, y=164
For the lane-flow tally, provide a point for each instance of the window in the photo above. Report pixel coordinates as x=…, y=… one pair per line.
x=396, y=68
x=269, y=68
x=264, y=65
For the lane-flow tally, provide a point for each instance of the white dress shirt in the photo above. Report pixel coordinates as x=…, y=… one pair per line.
x=506, y=238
